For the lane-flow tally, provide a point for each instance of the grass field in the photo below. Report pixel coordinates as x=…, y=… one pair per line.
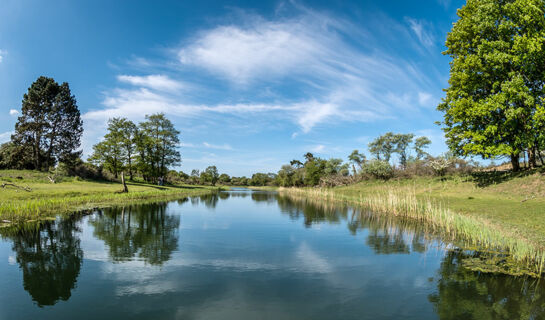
x=46, y=200
x=493, y=210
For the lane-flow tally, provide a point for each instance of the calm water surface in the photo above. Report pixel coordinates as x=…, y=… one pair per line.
x=247, y=255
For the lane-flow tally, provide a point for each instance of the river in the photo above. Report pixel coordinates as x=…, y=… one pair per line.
x=245, y=254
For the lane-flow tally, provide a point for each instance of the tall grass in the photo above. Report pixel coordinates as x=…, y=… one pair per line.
x=24, y=210
x=453, y=226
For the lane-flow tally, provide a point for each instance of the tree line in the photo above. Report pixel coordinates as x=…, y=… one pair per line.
x=148, y=148
x=48, y=136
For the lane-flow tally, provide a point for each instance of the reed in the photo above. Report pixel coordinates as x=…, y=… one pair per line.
x=473, y=231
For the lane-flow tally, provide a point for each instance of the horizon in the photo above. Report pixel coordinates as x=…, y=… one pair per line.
x=250, y=88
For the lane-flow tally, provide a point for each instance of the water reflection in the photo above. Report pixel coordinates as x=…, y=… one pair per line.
x=145, y=231
x=464, y=294
x=50, y=259
x=312, y=212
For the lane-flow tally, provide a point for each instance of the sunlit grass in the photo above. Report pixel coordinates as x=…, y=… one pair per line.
x=47, y=200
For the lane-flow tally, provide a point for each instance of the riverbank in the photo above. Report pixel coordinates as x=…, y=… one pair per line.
x=29, y=195
x=497, y=212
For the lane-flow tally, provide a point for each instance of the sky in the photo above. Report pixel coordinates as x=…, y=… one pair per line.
x=250, y=85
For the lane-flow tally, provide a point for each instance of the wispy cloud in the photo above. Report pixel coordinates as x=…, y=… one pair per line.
x=215, y=146
x=422, y=31
x=3, y=53
x=307, y=71
x=13, y=112
x=154, y=81
x=5, y=136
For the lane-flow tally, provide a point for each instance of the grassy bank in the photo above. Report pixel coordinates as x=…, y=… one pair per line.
x=46, y=200
x=498, y=212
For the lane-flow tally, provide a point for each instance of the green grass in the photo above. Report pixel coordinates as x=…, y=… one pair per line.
x=46, y=200
x=493, y=212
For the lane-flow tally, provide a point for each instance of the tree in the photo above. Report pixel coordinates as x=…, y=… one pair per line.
x=420, y=144
x=402, y=142
x=125, y=132
x=157, y=142
x=356, y=158
x=383, y=147
x=107, y=154
x=211, y=175
x=50, y=124
x=224, y=178
x=495, y=99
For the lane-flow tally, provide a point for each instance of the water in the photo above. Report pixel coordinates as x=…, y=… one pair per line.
x=247, y=255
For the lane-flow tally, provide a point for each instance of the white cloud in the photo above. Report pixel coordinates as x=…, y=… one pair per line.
x=5, y=136
x=13, y=112
x=422, y=32
x=155, y=81
x=424, y=99
x=340, y=72
x=219, y=147
x=3, y=53
x=318, y=148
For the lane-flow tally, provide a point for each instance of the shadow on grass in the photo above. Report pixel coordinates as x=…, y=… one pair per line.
x=487, y=178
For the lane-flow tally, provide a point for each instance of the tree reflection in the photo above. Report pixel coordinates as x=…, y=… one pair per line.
x=466, y=294
x=312, y=212
x=50, y=258
x=143, y=231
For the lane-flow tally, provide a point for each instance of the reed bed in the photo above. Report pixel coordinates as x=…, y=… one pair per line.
x=473, y=231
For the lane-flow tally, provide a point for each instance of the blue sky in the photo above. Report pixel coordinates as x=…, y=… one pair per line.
x=250, y=84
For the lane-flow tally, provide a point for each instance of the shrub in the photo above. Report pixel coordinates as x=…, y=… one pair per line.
x=378, y=169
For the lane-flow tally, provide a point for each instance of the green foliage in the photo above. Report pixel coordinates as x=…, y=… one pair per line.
x=156, y=143
x=383, y=146
x=358, y=159
x=378, y=169
x=420, y=144
x=49, y=128
x=402, y=142
x=210, y=175
x=494, y=104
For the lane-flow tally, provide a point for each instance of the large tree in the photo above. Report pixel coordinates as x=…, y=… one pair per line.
x=50, y=126
x=494, y=103
x=157, y=143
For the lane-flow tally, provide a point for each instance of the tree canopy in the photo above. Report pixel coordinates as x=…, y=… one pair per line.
x=494, y=103
x=49, y=128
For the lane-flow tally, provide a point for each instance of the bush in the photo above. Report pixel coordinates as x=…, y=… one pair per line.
x=378, y=169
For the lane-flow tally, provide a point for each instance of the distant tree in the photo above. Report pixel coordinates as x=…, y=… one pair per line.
x=284, y=176
x=50, y=124
x=211, y=175
x=356, y=158
x=309, y=157
x=224, y=178
x=383, y=147
x=402, y=143
x=494, y=105
x=420, y=144
x=195, y=174
x=296, y=163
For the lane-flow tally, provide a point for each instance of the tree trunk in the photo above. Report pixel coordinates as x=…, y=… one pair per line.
x=540, y=157
x=515, y=162
x=532, y=160
x=125, y=189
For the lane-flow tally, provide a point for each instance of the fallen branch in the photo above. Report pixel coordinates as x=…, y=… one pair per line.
x=5, y=184
x=51, y=179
